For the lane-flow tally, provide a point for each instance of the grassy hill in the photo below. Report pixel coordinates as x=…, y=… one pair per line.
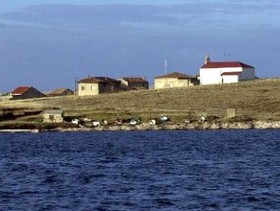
x=257, y=99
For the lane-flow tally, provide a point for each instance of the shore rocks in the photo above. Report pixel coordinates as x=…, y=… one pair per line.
x=147, y=126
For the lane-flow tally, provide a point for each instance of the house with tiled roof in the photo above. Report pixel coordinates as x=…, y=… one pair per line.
x=225, y=72
x=134, y=83
x=26, y=92
x=61, y=92
x=174, y=79
x=98, y=85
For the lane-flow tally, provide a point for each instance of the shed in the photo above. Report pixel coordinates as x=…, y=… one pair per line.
x=53, y=116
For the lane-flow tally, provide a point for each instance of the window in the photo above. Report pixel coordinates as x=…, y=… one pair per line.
x=83, y=88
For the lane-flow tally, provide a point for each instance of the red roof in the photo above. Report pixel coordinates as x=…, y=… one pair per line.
x=231, y=73
x=176, y=75
x=225, y=65
x=20, y=90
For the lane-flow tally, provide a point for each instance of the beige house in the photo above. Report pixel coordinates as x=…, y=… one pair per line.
x=53, y=116
x=98, y=85
x=174, y=79
x=134, y=83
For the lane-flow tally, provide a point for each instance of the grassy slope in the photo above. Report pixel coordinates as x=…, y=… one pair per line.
x=260, y=100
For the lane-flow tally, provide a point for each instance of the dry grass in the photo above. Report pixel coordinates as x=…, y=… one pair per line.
x=259, y=100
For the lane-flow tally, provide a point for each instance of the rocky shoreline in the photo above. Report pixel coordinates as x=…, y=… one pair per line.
x=146, y=127
x=170, y=126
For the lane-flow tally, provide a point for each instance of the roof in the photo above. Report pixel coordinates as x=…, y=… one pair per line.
x=98, y=80
x=226, y=64
x=134, y=79
x=20, y=90
x=59, y=91
x=175, y=75
x=231, y=73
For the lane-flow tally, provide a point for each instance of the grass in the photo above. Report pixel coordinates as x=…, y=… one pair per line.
x=259, y=100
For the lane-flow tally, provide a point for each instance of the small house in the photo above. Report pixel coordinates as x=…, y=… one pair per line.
x=61, y=92
x=174, y=79
x=98, y=85
x=134, y=83
x=225, y=72
x=26, y=92
x=53, y=116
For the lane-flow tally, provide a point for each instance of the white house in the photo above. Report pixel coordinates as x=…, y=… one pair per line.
x=225, y=72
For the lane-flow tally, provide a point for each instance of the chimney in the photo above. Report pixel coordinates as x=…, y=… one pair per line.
x=207, y=60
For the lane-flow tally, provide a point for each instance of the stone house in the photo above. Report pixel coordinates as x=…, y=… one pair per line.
x=98, y=85
x=26, y=92
x=134, y=83
x=53, y=116
x=225, y=72
x=174, y=79
x=61, y=92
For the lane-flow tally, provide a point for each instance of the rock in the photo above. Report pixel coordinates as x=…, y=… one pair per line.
x=266, y=124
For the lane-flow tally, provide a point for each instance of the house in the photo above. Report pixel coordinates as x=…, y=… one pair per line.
x=53, y=116
x=225, y=72
x=174, y=79
x=26, y=92
x=98, y=85
x=61, y=92
x=134, y=83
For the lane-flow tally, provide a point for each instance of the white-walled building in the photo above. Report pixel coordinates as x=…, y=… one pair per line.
x=225, y=72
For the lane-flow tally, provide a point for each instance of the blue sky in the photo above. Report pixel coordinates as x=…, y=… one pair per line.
x=49, y=43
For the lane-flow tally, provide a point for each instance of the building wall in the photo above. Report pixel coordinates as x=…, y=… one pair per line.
x=226, y=79
x=52, y=118
x=248, y=74
x=85, y=89
x=162, y=83
x=109, y=87
x=135, y=85
x=214, y=75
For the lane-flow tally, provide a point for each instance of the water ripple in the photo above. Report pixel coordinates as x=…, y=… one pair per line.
x=162, y=170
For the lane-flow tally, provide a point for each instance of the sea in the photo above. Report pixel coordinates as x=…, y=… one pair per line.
x=141, y=170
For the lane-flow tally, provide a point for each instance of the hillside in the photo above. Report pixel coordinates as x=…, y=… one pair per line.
x=259, y=100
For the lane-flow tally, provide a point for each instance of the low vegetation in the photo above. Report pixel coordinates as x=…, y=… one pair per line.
x=258, y=100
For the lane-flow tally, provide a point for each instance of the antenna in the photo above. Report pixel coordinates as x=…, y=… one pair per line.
x=165, y=66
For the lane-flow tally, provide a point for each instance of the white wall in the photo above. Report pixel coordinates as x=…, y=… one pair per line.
x=230, y=79
x=214, y=75
x=210, y=76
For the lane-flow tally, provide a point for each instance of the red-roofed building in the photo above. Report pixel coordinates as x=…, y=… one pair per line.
x=25, y=92
x=225, y=72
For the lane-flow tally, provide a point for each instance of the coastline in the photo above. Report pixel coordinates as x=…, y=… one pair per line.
x=248, y=125
x=261, y=125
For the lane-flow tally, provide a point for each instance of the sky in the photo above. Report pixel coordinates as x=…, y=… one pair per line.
x=49, y=44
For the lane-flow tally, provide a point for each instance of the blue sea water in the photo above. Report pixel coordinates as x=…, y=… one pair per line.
x=144, y=170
